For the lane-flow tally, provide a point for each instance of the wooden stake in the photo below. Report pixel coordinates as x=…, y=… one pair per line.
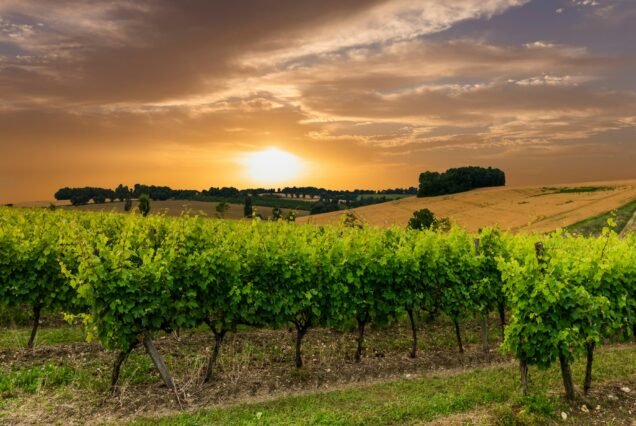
x=161, y=366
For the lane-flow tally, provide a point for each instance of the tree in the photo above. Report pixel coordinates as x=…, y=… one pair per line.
x=459, y=180
x=351, y=220
x=426, y=219
x=277, y=214
x=221, y=209
x=248, y=211
x=127, y=203
x=122, y=192
x=422, y=219
x=99, y=198
x=79, y=199
x=144, y=204
x=291, y=216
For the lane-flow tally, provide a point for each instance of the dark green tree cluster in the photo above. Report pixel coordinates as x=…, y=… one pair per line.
x=248, y=210
x=155, y=193
x=345, y=195
x=459, y=180
x=144, y=204
x=78, y=196
x=426, y=219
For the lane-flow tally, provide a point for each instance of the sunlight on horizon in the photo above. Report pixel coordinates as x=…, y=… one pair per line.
x=272, y=165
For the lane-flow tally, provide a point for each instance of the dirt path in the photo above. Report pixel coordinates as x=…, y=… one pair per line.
x=630, y=227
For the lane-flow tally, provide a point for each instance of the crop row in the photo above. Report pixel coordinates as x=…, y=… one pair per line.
x=129, y=277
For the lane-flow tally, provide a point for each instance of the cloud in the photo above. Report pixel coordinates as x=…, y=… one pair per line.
x=164, y=83
x=137, y=52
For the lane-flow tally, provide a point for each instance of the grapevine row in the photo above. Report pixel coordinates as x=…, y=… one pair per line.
x=130, y=277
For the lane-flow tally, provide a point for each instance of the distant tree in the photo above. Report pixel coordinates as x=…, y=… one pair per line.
x=110, y=194
x=248, y=211
x=459, y=180
x=83, y=195
x=127, y=203
x=79, y=199
x=122, y=192
x=144, y=204
x=291, y=216
x=227, y=192
x=422, y=219
x=426, y=219
x=156, y=193
x=324, y=206
x=221, y=209
x=52, y=207
x=64, y=193
x=99, y=198
x=351, y=220
x=277, y=213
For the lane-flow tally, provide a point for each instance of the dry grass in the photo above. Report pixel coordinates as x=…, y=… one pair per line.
x=177, y=207
x=528, y=208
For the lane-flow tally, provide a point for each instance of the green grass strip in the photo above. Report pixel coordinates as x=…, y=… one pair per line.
x=594, y=225
x=13, y=338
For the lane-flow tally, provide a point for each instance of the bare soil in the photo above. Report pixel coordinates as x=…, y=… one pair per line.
x=253, y=366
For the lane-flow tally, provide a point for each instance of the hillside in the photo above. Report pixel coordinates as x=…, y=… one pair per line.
x=529, y=208
x=177, y=207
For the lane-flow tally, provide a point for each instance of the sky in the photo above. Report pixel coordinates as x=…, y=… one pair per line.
x=365, y=93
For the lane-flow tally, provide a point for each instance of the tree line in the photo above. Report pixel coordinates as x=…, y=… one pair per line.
x=295, y=198
x=459, y=180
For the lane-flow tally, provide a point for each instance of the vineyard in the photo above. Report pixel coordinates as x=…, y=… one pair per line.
x=129, y=279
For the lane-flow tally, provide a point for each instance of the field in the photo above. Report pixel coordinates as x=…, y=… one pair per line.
x=530, y=208
x=178, y=207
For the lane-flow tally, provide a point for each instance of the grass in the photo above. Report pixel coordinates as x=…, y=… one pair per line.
x=34, y=379
x=575, y=190
x=66, y=380
x=17, y=338
x=418, y=400
x=594, y=225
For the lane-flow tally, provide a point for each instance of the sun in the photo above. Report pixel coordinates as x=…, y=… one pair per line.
x=272, y=165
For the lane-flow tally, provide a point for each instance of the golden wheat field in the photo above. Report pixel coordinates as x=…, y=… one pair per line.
x=525, y=208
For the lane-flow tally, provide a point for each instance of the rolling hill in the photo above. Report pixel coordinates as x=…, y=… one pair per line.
x=524, y=208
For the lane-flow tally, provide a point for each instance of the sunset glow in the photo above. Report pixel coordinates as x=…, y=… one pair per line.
x=272, y=166
x=371, y=92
